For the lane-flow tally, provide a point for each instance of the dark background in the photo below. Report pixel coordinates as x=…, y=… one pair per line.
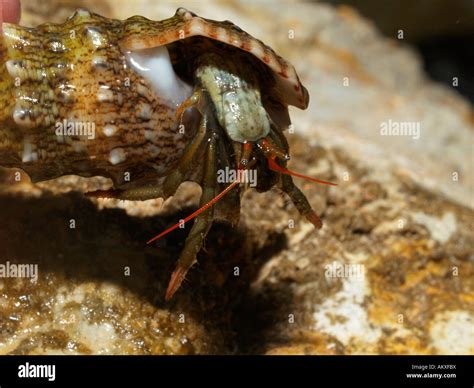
x=441, y=30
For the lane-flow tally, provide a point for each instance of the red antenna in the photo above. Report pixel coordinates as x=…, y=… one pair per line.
x=275, y=167
x=271, y=164
x=199, y=211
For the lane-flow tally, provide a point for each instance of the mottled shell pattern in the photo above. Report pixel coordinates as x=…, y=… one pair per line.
x=78, y=72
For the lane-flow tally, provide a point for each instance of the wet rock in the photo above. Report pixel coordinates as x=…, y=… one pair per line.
x=391, y=272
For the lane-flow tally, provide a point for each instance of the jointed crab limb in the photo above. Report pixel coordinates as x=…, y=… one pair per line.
x=206, y=213
x=178, y=175
x=192, y=246
x=246, y=153
x=196, y=213
x=272, y=152
x=201, y=226
x=136, y=194
x=204, y=218
x=188, y=103
x=300, y=201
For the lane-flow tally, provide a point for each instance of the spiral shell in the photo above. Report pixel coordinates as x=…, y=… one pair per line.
x=77, y=77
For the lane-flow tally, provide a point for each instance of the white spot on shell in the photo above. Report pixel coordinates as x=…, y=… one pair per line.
x=144, y=111
x=67, y=94
x=12, y=68
x=56, y=46
x=117, y=156
x=22, y=118
x=105, y=95
x=28, y=154
x=99, y=60
x=142, y=90
x=99, y=40
x=110, y=130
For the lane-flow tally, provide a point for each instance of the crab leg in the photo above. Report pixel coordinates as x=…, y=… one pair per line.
x=300, y=201
x=191, y=101
x=178, y=174
x=136, y=194
x=272, y=152
x=201, y=226
x=246, y=153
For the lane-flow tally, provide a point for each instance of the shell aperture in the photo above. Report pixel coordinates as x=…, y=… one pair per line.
x=155, y=66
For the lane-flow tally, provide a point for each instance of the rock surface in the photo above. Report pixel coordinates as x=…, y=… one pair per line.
x=391, y=272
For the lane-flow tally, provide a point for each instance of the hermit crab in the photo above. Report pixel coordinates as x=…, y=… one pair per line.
x=150, y=104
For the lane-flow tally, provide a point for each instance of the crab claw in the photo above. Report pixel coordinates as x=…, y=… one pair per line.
x=177, y=278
